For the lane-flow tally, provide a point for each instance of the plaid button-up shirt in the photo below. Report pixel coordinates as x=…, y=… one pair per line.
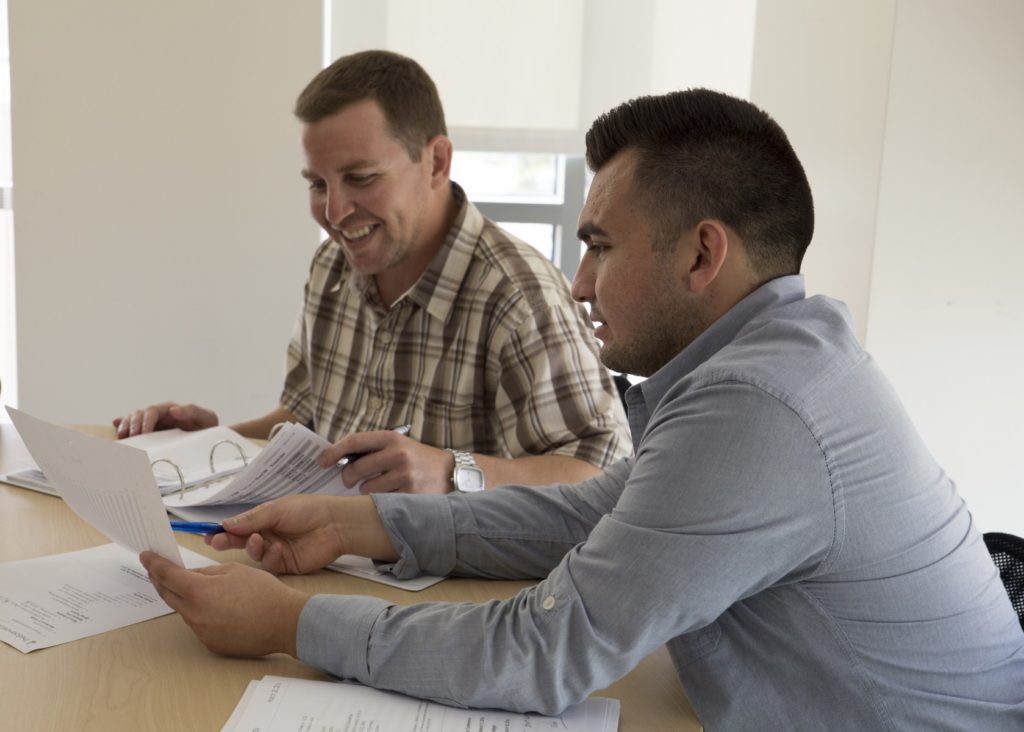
x=487, y=352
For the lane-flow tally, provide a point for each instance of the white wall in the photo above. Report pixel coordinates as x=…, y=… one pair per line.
x=821, y=68
x=162, y=237
x=907, y=116
x=947, y=303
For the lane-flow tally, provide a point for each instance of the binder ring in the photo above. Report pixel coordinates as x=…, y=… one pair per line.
x=218, y=443
x=275, y=429
x=181, y=476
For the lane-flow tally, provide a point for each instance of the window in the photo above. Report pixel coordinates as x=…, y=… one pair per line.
x=535, y=196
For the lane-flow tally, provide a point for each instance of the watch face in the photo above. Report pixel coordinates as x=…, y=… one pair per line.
x=470, y=480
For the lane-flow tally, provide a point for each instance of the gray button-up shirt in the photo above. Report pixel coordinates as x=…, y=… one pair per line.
x=781, y=527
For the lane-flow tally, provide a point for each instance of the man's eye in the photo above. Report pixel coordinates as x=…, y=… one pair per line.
x=317, y=185
x=597, y=249
x=359, y=179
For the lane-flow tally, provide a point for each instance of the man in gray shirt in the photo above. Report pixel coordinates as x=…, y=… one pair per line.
x=780, y=526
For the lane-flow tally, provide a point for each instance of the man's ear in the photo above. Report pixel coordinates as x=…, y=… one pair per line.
x=439, y=152
x=710, y=246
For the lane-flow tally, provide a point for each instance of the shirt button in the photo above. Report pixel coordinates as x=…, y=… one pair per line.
x=549, y=602
x=385, y=337
x=376, y=404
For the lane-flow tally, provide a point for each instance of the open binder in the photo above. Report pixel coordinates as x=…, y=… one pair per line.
x=289, y=464
x=179, y=459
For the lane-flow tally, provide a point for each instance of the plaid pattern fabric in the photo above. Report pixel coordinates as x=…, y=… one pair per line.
x=487, y=352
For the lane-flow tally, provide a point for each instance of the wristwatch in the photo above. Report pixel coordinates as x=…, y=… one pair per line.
x=467, y=476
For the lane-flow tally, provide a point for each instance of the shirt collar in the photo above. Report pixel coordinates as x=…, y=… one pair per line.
x=438, y=286
x=645, y=396
x=436, y=289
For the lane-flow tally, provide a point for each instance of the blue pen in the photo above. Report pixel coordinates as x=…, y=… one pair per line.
x=353, y=456
x=197, y=527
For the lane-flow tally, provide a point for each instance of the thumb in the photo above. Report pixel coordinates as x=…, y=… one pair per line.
x=253, y=520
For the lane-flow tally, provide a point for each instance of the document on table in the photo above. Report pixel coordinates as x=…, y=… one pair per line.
x=51, y=600
x=290, y=463
x=277, y=704
x=108, y=484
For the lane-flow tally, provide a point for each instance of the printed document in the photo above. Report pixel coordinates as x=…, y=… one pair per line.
x=51, y=600
x=290, y=463
x=278, y=704
x=108, y=484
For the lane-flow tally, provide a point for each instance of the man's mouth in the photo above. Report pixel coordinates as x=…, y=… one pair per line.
x=358, y=233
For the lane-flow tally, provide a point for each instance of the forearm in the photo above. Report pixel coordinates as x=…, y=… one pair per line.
x=534, y=470
x=361, y=530
x=259, y=428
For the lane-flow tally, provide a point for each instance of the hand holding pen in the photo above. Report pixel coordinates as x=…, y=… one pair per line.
x=390, y=460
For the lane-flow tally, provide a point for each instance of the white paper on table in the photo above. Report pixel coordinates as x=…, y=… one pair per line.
x=51, y=600
x=289, y=464
x=277, y=704
x=346, y=564
x=365, y=568
x=108, y=484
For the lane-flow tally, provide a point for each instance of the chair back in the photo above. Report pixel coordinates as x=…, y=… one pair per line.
x=1007, y=552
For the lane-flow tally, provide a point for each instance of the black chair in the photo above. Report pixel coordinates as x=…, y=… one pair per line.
x=622, y=383
x=1007, y=552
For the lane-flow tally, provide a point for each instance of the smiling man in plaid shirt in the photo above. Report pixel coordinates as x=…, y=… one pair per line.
x=419, y=311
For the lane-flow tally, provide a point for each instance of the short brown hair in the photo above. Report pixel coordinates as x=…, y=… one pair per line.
x=404, y=91
x=704, y=154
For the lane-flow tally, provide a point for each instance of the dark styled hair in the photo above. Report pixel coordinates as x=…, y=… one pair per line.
x=707, y=155
x=404, y=91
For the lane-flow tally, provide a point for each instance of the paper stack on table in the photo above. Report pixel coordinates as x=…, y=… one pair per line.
x=50, y=600
x=279, y=704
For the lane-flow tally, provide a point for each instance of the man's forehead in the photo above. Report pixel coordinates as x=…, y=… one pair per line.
x=612, y=186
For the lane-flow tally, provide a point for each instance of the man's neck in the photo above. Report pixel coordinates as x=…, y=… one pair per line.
x=394, y=282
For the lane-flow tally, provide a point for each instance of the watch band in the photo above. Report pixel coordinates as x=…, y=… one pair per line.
x=464, y=461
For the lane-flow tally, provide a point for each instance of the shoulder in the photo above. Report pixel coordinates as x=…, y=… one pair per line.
x=794, y=352
x=506, y=264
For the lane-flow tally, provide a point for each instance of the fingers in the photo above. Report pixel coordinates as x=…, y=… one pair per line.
x=164, y=574
x=362, y=443
x=165, y=415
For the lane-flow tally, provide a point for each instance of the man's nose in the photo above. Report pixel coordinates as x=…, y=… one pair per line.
x=337, y=207
x=583, y=283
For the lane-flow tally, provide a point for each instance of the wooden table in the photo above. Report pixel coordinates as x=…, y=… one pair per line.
x=156, y=676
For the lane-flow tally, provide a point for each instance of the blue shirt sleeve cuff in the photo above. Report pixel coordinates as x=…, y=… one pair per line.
x=334, y=634
x=422, y=530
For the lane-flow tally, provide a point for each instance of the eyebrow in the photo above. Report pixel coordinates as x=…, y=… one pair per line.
x=587, y=231
x=354, y=165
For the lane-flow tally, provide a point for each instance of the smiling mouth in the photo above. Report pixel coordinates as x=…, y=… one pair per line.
x=356, y=235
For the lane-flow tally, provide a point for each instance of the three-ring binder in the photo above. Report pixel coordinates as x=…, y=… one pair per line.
x=213, y=468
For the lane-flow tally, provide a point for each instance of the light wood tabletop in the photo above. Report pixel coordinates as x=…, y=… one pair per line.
x=156, y=676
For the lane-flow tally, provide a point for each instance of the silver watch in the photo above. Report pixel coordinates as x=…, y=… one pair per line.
x=467, y=476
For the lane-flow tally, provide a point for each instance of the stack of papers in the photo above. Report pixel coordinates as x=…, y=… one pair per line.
x=278, y=704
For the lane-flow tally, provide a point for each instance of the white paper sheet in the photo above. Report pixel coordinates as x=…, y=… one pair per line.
x=108, y=484
x=51, y=600
x=278, y=704
x=288, y=464
x=366, y=569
